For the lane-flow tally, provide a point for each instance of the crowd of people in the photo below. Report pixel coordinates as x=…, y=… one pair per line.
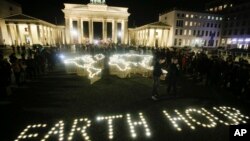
x=214, y=71
x=32, y=64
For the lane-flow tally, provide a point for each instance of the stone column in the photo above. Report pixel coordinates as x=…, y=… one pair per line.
x=123, y=30
x=79, y=30
x=18, y=35
x=44, y=41
x=9, y=34
x=104, y=30
x=67, y=30
x=30, y=34
x=91, y=35
x=114, y=31
x=38, y=32
x=81, y=33
x=48, y=35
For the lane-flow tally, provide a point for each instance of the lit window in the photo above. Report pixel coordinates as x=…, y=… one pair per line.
x=187, y=15
x=231, y=5
x=225, y=6
x=186, y=23
x=211, y=9
x=221, y=18
x=215, y=9
x=217, y=18
x=191, y=23
x=212, y=17
x=192, y=16
x=190, y=32
x=208, y=17
x=185, y=32
x=220, y=8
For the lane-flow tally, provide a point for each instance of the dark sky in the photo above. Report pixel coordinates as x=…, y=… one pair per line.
x=142, y=11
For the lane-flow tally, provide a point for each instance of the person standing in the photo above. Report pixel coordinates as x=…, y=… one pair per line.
x=173, y=72
x=157, y=72
x=5, y=76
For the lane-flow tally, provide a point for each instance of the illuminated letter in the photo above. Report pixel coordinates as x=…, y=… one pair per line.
x=188, y=111
x=56, y=130
x=180, y=117
x=110, y=123
x=133, y=124
x=232, y=114
x=23, y=134
x=81, y=129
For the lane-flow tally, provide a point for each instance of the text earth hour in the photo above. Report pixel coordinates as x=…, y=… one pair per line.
x=208, y=118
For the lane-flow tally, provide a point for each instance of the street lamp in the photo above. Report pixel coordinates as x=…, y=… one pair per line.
x=119, y=34
x=74, y=32
x=96, y=42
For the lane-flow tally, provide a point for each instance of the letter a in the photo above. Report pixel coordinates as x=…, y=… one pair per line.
x=237, y=133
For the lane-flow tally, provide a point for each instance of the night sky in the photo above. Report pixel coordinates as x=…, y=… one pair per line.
x=142, y=11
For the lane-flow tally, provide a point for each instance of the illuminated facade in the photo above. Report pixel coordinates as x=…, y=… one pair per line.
x=153, y=35
x=80, y=20
x=21, y=29
x=236, y=24
x=192, y=28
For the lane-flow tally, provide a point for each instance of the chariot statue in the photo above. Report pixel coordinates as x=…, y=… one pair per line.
x=98, y=1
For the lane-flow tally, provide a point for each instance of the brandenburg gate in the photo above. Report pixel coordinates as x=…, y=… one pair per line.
x=76, y=15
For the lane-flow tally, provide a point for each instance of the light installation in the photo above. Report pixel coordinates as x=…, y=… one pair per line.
x=194, y=119
x=123, y=62
x=88, y=63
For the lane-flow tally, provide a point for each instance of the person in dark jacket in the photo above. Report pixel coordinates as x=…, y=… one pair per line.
x=157, y=72
x=173, y=72
x=5, y=76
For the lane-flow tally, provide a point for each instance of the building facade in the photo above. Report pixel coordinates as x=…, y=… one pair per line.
x=236, y=24
x=195, y=29
x=21, y=29
x=80, y=20
x=150, y=35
